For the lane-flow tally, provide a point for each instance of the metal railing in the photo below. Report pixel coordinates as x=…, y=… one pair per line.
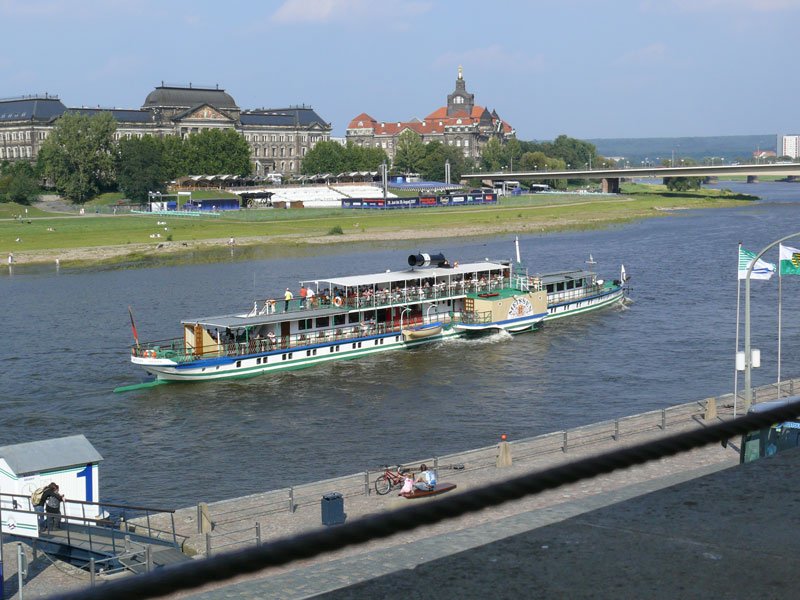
x=529, y=450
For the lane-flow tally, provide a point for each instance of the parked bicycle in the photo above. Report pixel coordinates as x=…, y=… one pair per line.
x=390, y=480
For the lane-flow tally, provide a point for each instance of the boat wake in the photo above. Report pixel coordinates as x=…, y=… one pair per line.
x=492, y=338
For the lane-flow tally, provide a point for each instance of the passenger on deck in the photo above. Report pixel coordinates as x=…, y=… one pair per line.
x=287, y=297
x=271, y=339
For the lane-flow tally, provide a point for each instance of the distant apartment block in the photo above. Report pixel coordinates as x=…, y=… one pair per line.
x=790, y=146
x=279, y=138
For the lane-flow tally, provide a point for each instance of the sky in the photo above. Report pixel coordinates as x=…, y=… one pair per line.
x=585, y=68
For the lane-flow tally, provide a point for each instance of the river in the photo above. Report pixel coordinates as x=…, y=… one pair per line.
x=66, y=338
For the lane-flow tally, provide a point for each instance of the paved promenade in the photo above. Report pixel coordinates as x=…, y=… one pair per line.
x=352, y=565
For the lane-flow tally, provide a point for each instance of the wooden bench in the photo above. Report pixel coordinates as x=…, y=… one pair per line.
x=440, y=488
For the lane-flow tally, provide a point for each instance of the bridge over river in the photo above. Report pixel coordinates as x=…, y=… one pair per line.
x=611, y=177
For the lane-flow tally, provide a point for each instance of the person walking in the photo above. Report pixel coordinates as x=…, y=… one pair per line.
x=287, y=297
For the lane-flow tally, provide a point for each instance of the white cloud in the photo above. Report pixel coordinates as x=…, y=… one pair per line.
x=494, y=57
x=324, y=11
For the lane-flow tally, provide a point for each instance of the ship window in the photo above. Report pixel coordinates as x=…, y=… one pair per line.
x=304, y=324
x=290, y=356
x=579, y=283
x=354, y=345
x=339, y=319
x=397, y=338
x=323, y=321
x=355, y=317
x=376, y=342
x=238, y=364
x=283, y=357
x=331, y=349
x=550, y=288
x=337, y=348
x=570, y=284
x=560, y=286
x=359, y=344
x=308, y=352
x=381, y=341
x=258, y=361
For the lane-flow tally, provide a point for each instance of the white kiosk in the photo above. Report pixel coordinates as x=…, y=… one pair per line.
x=71, y=462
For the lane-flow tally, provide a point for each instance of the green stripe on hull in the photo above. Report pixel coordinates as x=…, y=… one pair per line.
x=583, y=309
x=293, y=364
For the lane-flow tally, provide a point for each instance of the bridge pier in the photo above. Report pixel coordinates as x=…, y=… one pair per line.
x=611, y=185
x=752, y=179
x=791, y=178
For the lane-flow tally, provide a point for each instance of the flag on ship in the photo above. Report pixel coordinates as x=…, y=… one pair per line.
x=761, y=270
x=790, y=261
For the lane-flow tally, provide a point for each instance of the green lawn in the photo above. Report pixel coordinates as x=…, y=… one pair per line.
x=42, y=231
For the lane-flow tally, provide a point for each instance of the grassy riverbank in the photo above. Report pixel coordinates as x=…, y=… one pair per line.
x=41, y=237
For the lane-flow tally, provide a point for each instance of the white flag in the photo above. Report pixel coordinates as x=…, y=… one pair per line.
x=761, y=270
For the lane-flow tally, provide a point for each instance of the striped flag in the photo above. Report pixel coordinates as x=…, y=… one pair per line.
x=761, y=270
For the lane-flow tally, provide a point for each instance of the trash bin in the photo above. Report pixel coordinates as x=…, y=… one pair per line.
x=333, y=509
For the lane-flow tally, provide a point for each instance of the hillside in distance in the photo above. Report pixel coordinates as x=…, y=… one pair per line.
x=732, y=148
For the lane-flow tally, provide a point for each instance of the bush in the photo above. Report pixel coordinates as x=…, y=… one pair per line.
x=336, y=230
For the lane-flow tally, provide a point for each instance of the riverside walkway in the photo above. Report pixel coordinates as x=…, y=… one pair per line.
x=236, y=523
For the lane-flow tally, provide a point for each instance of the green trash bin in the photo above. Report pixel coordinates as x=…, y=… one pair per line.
x=333, y=509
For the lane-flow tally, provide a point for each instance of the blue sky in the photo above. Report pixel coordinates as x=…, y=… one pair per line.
x=585, y=68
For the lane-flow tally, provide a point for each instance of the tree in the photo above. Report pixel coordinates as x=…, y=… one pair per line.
x=173, y=156
x=493, y=156
x=436, y=155
x=325, y=157
x=683, y=184
x=18, y=183
x=216, y=152
x=410, y=152
x=140, y=167
x=359, y=158
x=78, y=155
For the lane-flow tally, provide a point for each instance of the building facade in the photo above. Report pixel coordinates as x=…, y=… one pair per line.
x=461, y=123
x=279, y=138
x=790, y=146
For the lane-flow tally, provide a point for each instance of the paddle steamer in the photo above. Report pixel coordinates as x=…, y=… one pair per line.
x=349, y=317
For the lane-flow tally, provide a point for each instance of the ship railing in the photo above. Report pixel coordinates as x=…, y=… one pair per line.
x=576, y=294
x=475, y=317
x=382, y=298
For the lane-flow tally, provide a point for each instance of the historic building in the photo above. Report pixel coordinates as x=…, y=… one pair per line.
x=461, y=123
x=278, y=137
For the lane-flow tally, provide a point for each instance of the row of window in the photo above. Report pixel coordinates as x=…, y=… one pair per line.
x=16, y=152
x=18, y=136
x=263, y=360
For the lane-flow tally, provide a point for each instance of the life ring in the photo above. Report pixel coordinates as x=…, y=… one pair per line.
x=337, y=301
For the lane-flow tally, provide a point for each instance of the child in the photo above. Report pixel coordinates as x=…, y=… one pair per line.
x=408, y=484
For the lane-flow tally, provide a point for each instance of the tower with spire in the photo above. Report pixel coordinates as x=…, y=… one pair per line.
x=460, y=101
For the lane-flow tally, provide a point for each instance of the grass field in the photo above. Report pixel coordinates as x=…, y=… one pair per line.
x=38, y=231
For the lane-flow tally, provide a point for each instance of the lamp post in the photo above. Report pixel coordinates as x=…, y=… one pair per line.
x=748, y=359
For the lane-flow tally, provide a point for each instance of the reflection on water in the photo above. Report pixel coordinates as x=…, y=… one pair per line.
x=66, y=338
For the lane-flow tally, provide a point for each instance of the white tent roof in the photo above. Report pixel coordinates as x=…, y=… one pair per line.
x=411, y=275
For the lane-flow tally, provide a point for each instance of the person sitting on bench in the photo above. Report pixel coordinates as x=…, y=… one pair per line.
x=426, y=480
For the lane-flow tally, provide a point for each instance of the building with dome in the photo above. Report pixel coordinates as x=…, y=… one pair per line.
x=279, y=138
x=461, y=123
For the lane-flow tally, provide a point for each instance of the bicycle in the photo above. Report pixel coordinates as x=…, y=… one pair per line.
x=390, y=479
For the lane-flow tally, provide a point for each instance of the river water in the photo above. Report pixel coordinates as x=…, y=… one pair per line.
x=66, y=337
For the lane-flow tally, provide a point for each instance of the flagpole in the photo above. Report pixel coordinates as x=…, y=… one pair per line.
x=780, y=286
x=738, y=304
x=748, y=359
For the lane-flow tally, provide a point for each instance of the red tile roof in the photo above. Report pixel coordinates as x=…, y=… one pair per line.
x=434, y=123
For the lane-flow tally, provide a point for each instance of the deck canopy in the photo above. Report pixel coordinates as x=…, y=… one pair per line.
x=237, y=321
x=411, y=275
x=549, y=278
